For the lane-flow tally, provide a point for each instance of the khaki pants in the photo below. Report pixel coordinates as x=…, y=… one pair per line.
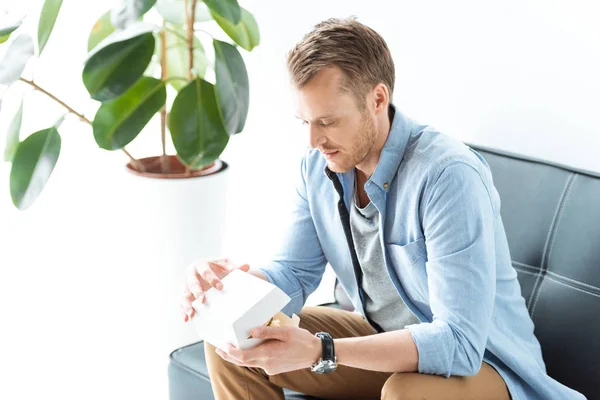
x=231, y=382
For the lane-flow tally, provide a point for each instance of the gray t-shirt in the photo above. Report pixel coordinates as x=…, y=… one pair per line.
x=383, y=303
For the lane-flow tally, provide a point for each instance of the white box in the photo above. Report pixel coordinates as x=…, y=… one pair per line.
x=246, y=302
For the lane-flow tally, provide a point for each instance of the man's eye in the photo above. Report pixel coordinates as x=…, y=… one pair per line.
x=304, y=122
x=326, y=124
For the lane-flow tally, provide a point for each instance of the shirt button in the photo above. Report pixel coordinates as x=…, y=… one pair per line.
x=386, y=185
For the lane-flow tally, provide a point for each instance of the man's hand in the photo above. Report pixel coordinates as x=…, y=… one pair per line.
x=201, y=276
x=289, y=349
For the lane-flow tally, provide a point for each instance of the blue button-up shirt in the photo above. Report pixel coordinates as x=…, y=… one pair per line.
x=445, y=250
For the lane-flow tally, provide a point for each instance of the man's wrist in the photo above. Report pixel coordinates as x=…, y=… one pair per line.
x=340, y=349
x=344, y=348
x=316, y=351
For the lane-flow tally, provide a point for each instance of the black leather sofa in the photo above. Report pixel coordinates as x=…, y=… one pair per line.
x=551, y=214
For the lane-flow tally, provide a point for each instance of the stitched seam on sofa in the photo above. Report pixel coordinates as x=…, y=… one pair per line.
x=526, y=271
x=520, y=264
x=558, y=221
x=529, y=273
x=538, y=284
x=554, y=230
x=562, y=277
x=573, y=287
x=533, y=160
x=559, y=281
x=534, y=303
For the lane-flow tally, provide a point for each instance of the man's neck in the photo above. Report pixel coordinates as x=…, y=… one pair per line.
x=365, y=169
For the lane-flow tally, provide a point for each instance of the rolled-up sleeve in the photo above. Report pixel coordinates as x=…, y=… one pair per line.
x=458, y=223
x=299, y=264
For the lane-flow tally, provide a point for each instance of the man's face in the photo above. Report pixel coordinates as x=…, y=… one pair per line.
x=341, y=132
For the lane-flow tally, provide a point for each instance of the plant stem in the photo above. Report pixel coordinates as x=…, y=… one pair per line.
x=139, y=165
x=190, y=42
x=53, y=97
x=188, y=22
x=163, y=111
x=188, y=167
x=135, y=162
x=190, y=37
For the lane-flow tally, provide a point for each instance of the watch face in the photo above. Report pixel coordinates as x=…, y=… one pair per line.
x=325, y=367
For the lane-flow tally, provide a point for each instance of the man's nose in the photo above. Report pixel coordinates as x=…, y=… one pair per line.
x=315, y=136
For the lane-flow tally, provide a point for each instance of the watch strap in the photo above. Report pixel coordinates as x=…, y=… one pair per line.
x=327, y=344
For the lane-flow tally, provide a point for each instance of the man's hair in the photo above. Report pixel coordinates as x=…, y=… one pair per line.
x=359, y=51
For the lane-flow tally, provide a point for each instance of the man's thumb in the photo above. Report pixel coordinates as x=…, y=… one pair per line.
x=245, y=267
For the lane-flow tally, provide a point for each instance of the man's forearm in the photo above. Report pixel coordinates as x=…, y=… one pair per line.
x=258, y=274
x=386, y=352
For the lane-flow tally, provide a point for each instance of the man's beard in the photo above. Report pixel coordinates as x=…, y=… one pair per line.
x=359, y=150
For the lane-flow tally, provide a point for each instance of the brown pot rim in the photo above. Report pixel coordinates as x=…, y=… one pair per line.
x=152, y=162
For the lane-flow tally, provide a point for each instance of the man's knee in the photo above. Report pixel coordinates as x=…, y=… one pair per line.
x=400, y=386
x=213, y=360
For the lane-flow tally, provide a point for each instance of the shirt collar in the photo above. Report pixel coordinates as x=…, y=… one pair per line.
x=392, y=152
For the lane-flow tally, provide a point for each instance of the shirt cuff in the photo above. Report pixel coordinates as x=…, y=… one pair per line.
x=435, y=345
x=277, y=277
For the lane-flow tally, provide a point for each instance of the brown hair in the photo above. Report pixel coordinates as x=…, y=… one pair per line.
x=359, y=51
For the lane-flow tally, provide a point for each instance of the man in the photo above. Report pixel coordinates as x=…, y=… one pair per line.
x=409, y=219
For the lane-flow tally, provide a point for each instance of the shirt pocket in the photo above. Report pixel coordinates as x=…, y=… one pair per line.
x=408, y=261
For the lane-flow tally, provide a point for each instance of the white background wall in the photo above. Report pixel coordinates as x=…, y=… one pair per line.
x=76, y=301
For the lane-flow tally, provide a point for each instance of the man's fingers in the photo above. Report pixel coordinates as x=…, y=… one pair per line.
x=196, y=289
x=209, y=276
x=249, y=356
x=186, y=305
x=226, y=265
x=269, y=332
x=197, y=293
x=228, y=356
x=235, y=353
x=194, y=283
x=221, y=265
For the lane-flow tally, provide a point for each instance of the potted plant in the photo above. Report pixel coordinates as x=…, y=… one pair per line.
x=201, y=116
x=147, y=57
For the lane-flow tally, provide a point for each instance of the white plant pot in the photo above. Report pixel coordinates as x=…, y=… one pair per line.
x=180, y=221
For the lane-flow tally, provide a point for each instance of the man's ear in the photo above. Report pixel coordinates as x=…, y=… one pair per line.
x=381, y=98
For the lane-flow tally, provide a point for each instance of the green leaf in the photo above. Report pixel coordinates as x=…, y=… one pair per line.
x=196, y=126
x=174, y=11
x=32, y=165
x=129, y=12
x=228, y=9
x=101, y=30
x=47, y=19
x=178, y=58
x=6, y=30
x=232, y=86
x=12, y=136
x=119, y=121
x=118, y=62
x=15, y=59
x=245, y=33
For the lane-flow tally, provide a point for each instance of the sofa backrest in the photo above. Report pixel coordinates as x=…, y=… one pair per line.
x=551, y=214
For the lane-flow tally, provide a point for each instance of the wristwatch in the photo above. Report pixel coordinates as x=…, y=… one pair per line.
x=328, y=362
